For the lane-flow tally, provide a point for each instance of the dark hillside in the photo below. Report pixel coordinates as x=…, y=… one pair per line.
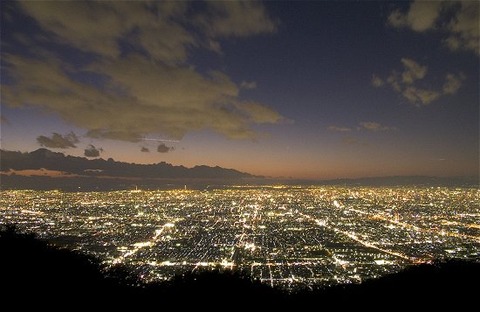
x=48, y=276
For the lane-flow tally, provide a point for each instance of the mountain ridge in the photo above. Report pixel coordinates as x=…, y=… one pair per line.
x=44, y=169
x=43, y=158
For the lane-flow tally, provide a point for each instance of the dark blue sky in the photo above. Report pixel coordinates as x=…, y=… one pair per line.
x=314, y=89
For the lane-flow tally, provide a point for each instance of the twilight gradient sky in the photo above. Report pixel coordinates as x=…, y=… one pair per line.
x=318, y=89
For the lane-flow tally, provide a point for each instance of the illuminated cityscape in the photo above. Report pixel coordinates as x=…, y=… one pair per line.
x=286, y=236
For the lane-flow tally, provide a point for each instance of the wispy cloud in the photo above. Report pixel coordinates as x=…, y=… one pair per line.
x=59, y=141
x=407, y=83
x=452, y=83
x=236, y=19
x=352, y=140
x=248, y=85
x=457, y=21
x=419, y=95
x=362, y=126
x=339, y=129
x=151, y=88
x=377, y=81
x=374, y=126
x=413, y=71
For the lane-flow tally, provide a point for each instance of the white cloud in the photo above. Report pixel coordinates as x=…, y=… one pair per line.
x=258, y=113
x=421, y=16
x=413, y=71
x=157, y=98
x=452, y=83
x=406, y=83
x=236, y=18
x=464, y=28
x=418, y=95
x=153, y=89
x=458, y=21
x=98, y=27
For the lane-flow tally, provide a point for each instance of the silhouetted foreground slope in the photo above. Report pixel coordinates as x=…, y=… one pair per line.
x=46, y=276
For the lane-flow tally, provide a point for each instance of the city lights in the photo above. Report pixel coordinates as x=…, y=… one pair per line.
x=285, y=236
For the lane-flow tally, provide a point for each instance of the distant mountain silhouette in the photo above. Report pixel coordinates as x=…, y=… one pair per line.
x=80, y=173
x=44, y=158
x=103, y=174
x=47, y=276
x=470, y=181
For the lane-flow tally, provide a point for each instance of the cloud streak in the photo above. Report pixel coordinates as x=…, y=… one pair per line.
x=59, y=141
x=354, y=141
x=374, y=126
x=136, y=54
x=339, y=129
x=364, y=125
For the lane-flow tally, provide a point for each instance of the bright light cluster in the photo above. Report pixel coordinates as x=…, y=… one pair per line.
x=286, y=236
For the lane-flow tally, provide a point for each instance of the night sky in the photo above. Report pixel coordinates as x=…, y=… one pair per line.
x=313, y=90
